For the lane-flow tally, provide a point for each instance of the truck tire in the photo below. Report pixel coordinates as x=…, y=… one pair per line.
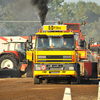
x=8, y=62
x=8, y=66
x=73, y=80
x=36, y=80
x=69, y=80
x=45, y=81
x=86, y=77
x=78, y=74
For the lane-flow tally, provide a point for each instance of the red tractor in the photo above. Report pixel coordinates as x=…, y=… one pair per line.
x=13, y=60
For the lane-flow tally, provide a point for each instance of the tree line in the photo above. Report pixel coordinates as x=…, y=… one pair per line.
x=22, y=10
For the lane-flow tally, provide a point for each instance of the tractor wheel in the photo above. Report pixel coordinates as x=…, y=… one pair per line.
x=8, y=66
x=8, y=62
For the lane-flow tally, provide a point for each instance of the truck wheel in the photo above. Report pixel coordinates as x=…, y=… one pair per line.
x=8, y=62
x=73, y=80
x=36, y=80
x=78, y=74
x=86, y=77
x=69, y=80
x=44, y=81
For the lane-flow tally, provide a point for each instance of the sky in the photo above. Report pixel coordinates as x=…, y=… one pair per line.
x=96, y=1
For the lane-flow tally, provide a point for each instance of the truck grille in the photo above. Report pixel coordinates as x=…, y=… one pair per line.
x=55, y=58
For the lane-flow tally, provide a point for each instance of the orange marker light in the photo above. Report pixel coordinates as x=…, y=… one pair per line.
x=36, y=58
x=40, y=30
x=11, y=39
x=70, y=30
x=73, y=58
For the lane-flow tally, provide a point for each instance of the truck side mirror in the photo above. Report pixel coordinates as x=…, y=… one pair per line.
x=30, y=42
x=89, y=46
x=26, y=45
x=81, y=42
x=30, y=39
x=30, y=46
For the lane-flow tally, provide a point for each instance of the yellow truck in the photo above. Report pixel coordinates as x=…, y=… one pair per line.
x=54, y=56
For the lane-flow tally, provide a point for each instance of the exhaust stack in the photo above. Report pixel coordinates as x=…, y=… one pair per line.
x=42, y=7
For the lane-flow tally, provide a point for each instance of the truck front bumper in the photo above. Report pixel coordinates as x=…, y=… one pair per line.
x=55, y=73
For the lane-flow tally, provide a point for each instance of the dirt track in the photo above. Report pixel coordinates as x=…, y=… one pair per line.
x=23, y=89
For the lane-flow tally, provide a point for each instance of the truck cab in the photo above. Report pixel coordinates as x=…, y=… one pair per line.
x=54, y=55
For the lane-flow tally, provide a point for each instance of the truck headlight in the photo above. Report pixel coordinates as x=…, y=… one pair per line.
x=41, y=57
x=71, y=68
x=38, y=68
x=67, y=57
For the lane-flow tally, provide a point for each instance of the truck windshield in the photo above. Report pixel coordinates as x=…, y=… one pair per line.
x=55, y=43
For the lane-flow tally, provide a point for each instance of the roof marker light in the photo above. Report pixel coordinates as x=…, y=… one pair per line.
x=58, y=22
x=61, y=22
x=40, y=30
x=11, y=39
x=83, y=23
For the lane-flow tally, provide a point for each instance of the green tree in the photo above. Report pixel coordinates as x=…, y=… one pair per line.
x=54, y=9
x=65, y=13
x=20, y=11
